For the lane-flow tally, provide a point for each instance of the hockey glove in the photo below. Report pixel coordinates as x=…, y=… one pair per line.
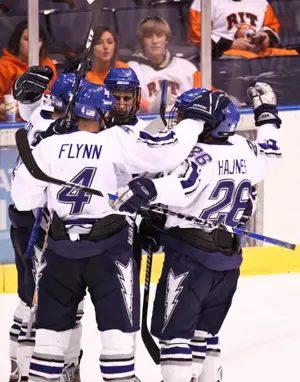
x=206, y=107
x=264, y=103
x=29, y=86
x=58, y=127
x=150, y=230
x=132, y=197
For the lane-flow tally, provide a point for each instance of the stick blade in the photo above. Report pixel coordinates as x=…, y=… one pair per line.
x=155, y=126
x=150, y=345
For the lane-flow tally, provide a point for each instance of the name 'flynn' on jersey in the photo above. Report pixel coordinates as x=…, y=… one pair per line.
x=104, y=161
x=83, y=151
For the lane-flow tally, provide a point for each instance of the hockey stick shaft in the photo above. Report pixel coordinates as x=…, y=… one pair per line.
x=266, y=239
x=34, y=233
x=31, y=165
x=148, y=340
x=201, y=223
x=96, y=7
x=163, y=102
x=36, y=172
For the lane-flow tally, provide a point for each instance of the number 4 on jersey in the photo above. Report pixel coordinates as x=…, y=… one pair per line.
x=78, y=199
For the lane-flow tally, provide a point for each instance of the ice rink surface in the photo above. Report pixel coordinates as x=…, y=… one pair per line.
x=260, y=338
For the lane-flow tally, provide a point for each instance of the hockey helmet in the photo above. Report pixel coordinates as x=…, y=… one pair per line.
x=62, y=89
x=227, y=116
x=125, y=87
x=183, y=101
x=93, y=102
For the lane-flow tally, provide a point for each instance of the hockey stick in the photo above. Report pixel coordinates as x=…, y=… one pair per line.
x=160, y=123
x=31, y=165
x=36, y=172
x=163, y=103
x=96, y=7
x=34, y=233
x=148, y=340
x=201, y=223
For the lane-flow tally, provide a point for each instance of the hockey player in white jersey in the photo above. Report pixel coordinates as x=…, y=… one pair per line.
x=83, y=227
x=39, y=113
x=201, y=267
x=125, y=87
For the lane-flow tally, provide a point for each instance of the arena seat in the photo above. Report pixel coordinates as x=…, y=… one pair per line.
x=71, y=28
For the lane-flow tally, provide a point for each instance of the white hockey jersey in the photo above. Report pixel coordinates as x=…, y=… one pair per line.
x=215, y=181
x=105, y=161
x=37, y=116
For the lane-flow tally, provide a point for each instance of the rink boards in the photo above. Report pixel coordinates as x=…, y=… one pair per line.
x=257, y=261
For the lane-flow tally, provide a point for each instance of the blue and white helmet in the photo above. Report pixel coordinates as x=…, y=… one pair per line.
x=227, y=120
x=93, y=102
x=227, y=114
x=62, y=89
x=121, y=81
x=183, y=101
x=185, y=98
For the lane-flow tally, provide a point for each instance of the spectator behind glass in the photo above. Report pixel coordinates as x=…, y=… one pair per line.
x=105, y=51
x=154, y=63
x=14, y=60
x=247, y=28
x=104, y=55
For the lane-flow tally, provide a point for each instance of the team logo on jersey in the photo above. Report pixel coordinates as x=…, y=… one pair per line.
x=125, y=277
x=91, y=37
x=173, y=291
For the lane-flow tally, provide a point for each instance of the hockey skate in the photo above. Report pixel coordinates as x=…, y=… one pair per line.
x=15, y=375
x=71, y=372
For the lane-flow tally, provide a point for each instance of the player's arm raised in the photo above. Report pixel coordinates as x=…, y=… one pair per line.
x=267, y=145
x=29, y=88
x=166, y=150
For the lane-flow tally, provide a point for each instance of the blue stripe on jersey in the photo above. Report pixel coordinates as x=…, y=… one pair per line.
x=46, y=114
x=212, y=340
x=117, y=369
x=269, y=147
x=191, y=178
x=80, y=221
x=160, y=139
x=176, y=350
x=48, y=369
x=198, y=349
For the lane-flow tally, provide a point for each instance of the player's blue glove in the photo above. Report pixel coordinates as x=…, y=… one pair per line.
x=29, y=86
x=58, y=127
x=264, y=103
x=205, y=107
x=132, y=197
